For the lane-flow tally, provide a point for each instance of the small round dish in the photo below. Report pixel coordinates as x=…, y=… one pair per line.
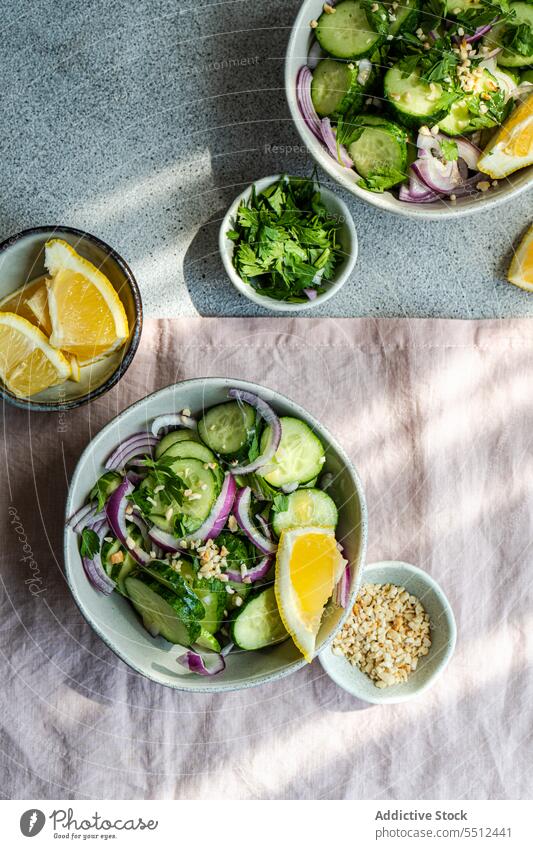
x=443, y=638
x=348, y=239
x=22, y=260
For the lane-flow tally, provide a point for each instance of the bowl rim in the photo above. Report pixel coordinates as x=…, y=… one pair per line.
x=70, y=508
x=382, y=201
x=271, y=303
x=131, y=350
x=446, y=656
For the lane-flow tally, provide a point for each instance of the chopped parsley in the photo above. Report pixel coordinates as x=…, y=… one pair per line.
x=286, y=240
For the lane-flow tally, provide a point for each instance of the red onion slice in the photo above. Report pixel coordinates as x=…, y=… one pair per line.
x=244, y=518
x=81, y=517
x=480, y=32
x=342, y=590
x=315, y=55
x=271, y=419
x=94, y=569
x=255, y=573
x=311, y=293
x=212, y=526
x=139, y=443
x=305, y=103
x=116, y=515
x=438, y=176
x=206, y=663
x=172, y=420
x=338, y=152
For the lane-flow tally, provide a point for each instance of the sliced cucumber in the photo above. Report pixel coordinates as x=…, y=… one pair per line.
x=227, y=428
x=457, y=7
x=118, y=572
x=104, y=487
x=306, y=508
x=258, y=623
x=161, y=610
x=300, y=454
x=208, y=641
x=185, y=434
x=405, y=14
x=214, y=598
x=413, y=100
x=172, y=580
x=464, y=117
x=189, y=448
x=335, y=87
x=348, y=33
x=380, y=155
x=523, y=15
x=200, y=481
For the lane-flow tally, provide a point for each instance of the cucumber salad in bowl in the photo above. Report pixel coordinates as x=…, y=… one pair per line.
x=219, y=530
x=424, y=98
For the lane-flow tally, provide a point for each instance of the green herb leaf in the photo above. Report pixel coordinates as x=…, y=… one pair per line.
x=90, y=544
x=280, y=503
x=449, y=150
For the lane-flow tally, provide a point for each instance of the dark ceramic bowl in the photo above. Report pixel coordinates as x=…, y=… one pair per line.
x=22, y=260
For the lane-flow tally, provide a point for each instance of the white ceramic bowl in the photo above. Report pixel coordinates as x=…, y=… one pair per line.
x=297, y=52
x=114, y=619
x=443, y=638
x=347, y=236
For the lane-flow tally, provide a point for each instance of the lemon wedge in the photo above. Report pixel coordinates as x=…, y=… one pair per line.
x=521, y=269
x=308, y=566
x=30, y=302
x=28, y=363
x=87, y=316
x=512, y=146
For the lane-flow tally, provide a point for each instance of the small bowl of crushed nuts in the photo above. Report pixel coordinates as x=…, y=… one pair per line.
x=398, y=638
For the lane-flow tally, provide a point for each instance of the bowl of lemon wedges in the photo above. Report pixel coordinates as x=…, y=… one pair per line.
x=70, y=318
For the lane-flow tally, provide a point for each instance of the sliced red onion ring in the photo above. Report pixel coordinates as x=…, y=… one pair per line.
x=311, y=293
x=314, y=56
x=264, y=525
x=206, y=663
x=255, y=573
x=212, y=526
x=244, y=518
x=79, y=519
x=270, y=418
x=431, y=144
x=227, y=648
x=172, y=420
x=94, y=569
x=417, y=191
x=480, y=32
x=305, y=104
x=342, y=590
x=139, y=443
x=338, y=152
x=116, y=515
x=135, y=477
x=438, y=176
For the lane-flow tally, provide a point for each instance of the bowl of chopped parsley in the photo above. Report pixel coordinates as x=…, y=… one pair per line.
x=288, y=243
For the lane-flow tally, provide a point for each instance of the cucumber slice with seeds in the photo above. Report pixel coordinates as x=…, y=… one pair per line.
x=348, y=33
x=300, y=454
x=258, y=623
x=335, y=87
x=523, y=15
x=380, y=154
x=200, y=481
x=405, y=16
x=162, y=611
x=306, y=508
x=413, y=100
x=227, y=428
x=186, y=434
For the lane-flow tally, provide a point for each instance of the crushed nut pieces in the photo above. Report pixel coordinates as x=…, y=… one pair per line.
x=386, y=634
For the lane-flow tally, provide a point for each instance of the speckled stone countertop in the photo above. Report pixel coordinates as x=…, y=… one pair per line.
x=140, y=121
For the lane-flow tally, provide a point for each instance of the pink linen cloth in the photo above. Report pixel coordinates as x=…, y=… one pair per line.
x=438, y=418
